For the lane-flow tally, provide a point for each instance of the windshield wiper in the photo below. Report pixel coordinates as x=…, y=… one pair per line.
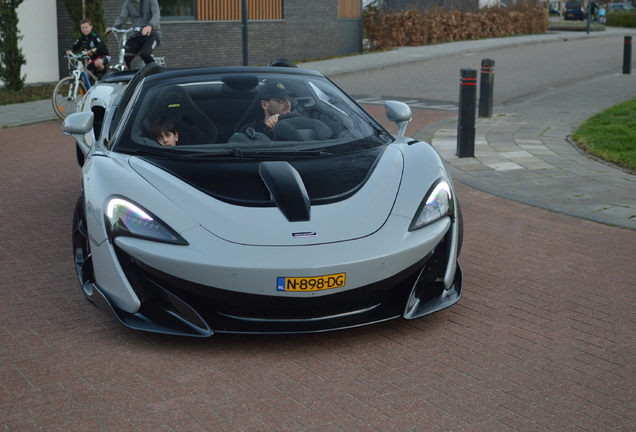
x=265, y=153
x=237, y=152
x=174, y=154
x=146, y=151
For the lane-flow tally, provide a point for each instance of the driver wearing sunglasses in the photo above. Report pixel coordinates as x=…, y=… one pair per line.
x=275, y=101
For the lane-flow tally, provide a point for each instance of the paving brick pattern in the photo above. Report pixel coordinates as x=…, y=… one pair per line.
x=542, y=340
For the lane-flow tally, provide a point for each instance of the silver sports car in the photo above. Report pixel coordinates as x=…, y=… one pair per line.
x=322, y=221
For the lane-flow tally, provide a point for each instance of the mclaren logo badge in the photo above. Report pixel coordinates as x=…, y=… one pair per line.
x=304, y=234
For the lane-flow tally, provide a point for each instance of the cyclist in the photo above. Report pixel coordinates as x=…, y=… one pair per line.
x=93, y=43
x=144, y=15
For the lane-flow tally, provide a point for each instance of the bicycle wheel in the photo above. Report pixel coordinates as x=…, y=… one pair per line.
x=64, y=102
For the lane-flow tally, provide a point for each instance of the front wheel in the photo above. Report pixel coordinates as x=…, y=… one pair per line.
x=82, y=250
x=64, y=99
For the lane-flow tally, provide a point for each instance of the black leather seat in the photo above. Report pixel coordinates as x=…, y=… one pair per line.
x=193, y=126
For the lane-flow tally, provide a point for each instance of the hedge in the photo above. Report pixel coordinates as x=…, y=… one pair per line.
x=621, y=19
x=413, y=28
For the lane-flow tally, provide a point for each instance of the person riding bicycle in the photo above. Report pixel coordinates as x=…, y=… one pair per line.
x=93, y=43
x=144, y=16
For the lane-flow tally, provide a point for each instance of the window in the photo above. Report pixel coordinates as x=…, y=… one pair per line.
x=172, y=10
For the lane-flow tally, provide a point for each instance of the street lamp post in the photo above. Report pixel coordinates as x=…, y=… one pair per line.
x=244, y=27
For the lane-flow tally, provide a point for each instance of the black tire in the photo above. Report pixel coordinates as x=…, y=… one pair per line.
x=82, y=250
x=63, y=101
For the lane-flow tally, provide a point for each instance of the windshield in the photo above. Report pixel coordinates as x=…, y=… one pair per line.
x=223, y=115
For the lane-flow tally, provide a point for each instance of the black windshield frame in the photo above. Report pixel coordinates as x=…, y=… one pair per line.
x=228, y=101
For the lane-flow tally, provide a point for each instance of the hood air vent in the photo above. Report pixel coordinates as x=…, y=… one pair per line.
x=287, y=189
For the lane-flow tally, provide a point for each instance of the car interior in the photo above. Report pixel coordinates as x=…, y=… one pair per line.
x=213, y=112
x=193, y=126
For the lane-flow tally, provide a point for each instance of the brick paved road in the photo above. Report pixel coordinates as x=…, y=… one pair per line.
x=543, y=339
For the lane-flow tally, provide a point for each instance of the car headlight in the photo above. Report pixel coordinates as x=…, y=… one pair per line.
x=437, y=204
x=124, y=218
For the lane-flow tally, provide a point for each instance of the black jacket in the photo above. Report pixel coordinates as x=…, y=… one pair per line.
x=259, y=126
x=90, y=41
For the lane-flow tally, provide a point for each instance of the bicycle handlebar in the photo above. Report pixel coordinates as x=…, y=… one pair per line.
x=74, y=56
x=116, y=30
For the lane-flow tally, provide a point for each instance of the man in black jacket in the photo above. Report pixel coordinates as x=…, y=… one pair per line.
x=95, y=47
x=275, y=101
x=144, y=16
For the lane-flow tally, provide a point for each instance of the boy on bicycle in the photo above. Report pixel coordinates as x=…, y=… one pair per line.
x=95, y=47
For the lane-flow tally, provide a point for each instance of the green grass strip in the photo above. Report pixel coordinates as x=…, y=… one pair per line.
x=611, y=135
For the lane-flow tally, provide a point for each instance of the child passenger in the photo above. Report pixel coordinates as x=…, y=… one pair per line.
x=165, y=132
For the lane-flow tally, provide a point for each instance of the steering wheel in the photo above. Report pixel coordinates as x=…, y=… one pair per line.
x=288, y=116
x=295, y=127
x=250, y=137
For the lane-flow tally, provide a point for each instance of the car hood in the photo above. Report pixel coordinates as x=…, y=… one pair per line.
x=341, y=210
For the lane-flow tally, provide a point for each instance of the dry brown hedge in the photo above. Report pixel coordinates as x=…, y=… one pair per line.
x=413, y=28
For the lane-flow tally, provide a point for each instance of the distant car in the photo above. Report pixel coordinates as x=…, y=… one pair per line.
x=619, y=7
x=574, y=11
x=335, y=223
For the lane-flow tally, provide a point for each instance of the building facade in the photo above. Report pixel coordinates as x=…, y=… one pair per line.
x=39, y=41
x=206, y=35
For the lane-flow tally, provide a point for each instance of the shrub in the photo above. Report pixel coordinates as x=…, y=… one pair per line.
x=413, y=28
x=93, y=10
x=621, y=19
x=11, y=58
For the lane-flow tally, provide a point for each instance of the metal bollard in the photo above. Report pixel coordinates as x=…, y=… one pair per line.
x=486, y=87
x=466, y=117
x=627, y=56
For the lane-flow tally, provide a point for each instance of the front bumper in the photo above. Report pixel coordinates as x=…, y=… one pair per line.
x=174, y=305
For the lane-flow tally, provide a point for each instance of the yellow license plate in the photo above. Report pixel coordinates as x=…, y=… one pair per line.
x=317, y=283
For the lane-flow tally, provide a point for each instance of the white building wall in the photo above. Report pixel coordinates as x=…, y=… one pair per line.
x=37, y=24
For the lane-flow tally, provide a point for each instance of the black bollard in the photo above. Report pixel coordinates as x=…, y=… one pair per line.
x=486, y=87
x=466, y=117
x=627, y=56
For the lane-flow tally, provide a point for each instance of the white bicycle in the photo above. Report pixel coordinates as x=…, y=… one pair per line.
x=70, y=90
x=122, y=37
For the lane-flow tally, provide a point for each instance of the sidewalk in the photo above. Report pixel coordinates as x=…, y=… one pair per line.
x=523, y=153
x=26, y=113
